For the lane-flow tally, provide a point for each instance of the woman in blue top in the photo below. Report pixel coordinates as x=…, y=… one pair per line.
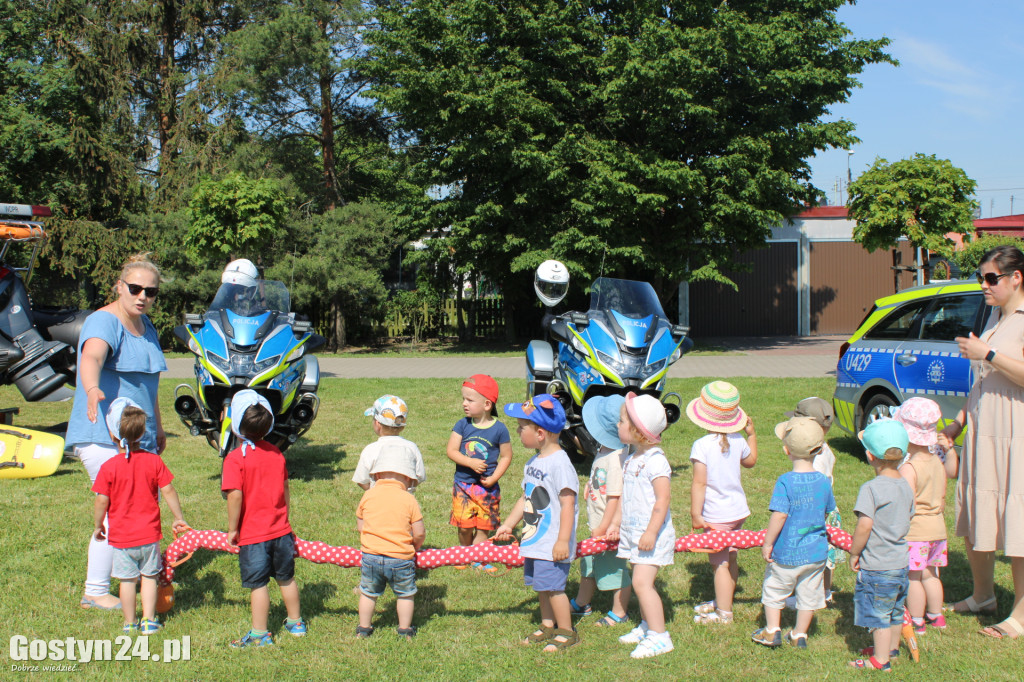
x=119, y=356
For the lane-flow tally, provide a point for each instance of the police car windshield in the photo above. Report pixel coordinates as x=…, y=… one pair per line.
x=626, y=297
x=267, y=295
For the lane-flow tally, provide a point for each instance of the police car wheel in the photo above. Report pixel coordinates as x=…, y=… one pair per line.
x=877, y=406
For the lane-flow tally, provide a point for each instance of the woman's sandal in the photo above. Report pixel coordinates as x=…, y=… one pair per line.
x=1008, y=629
x=610, y=620
x=717, y=616
x=570, y=639
x=542, y=635
x=969, y=605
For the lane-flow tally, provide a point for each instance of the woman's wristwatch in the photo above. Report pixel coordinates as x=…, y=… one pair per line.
x=991, y=355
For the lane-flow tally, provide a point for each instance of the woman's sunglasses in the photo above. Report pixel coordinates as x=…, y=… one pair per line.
x=136, y=289
x=991, y=278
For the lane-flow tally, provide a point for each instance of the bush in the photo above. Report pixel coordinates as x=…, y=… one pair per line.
x=972, y=253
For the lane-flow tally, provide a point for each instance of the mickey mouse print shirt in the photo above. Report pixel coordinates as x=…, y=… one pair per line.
x=544, y=479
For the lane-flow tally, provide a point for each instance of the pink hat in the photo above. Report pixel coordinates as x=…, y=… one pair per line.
x=919, y=417
x=647, y=414
x=718, y=408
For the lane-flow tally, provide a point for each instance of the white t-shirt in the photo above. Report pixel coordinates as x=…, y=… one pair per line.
x=605, y=481
x=724, y=500
x=825, y=462
x=397, y=449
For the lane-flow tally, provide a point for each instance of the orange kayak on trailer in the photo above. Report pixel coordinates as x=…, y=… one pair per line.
x=19, y=230
x=25, y=453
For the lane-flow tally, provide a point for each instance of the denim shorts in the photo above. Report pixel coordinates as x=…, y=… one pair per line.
x=378, y=571
x=545, y=576
x=132, y=562
x=271, y=557
x=878, y=597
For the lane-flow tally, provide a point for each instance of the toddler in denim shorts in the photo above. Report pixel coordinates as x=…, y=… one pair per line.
x=391, y=530
x=878, y=553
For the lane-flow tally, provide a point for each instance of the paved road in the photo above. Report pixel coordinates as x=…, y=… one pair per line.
x=768, y=357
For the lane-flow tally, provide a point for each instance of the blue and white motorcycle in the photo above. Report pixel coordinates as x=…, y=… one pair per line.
x=623, y=343
x=249, y=338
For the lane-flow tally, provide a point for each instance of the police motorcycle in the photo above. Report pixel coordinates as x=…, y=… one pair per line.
x=37, y=345
x=623, y=343
x=249, y=338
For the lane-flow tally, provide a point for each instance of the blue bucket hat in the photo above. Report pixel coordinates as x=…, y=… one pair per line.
x=543, y=409
x=114, y=412
x=601, y=417
x=242, y=401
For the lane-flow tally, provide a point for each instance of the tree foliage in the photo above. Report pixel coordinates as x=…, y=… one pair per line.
x=970, y=256
x=653, y=135
x=922, y=198
x=235, y=216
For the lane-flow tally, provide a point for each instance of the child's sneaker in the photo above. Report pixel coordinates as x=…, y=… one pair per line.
x=938, y=622
x=772, y=640
x=797, y=640
x=653, y=645
x=919, y=628
x=486, y=568
x=578, y=610
x=130, y=628
x=296, y=629
x=253, y=640
x=636, y=635
x=149, y=627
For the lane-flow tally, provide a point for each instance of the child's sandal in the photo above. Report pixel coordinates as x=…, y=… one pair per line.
x=872, y=662
x=705, y=607
x=407, y=633
x=362, y=632
x=610, y=620
x=542, y=635
x=717, y=616
x=572, y=638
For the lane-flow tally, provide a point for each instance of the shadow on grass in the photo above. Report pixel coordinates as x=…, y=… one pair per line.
x=430, y=602
x=192, y=591
x=313, y=462
x=848, y=444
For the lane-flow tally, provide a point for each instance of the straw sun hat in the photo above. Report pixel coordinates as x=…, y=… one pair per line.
x=718, y=408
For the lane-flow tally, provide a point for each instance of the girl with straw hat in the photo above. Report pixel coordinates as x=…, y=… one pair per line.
x=717, y=498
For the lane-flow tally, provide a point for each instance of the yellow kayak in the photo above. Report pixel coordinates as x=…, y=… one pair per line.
x=28, y=454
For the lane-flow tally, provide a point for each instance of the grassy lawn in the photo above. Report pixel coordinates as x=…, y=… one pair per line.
x=470, y=623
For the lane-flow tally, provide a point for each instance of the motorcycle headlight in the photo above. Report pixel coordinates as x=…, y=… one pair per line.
x=578, y=345
x=264, y=365
x=242, y=365
x=220, y=363
x=297, y=353
x=193, y=346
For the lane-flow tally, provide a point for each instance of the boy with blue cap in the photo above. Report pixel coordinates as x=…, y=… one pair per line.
x=603, y=496
x=127, y=498
x=878, y=553
x=255, y=479
x=548, y=510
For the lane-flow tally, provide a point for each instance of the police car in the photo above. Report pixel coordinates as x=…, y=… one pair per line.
x=905, y=347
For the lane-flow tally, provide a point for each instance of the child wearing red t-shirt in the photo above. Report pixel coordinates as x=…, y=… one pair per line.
x=126, y=495
x=255, y=479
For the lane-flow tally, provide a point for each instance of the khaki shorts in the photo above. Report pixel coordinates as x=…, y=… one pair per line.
x=806, y=581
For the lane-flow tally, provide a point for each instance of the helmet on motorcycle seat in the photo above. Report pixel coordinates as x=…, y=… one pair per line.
x=240, y=271
x=551, y=282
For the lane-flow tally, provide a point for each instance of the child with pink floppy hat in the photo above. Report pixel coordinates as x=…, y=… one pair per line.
x=717, y=500
x=926, y=473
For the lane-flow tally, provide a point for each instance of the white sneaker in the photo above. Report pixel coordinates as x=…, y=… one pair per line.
x=636, y=635
x=653, y=645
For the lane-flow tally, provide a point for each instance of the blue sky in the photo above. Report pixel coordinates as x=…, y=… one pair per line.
x=957, y=94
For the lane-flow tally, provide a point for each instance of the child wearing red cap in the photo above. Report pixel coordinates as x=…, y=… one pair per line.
x=481, y=448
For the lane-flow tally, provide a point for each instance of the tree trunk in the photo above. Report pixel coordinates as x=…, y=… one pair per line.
x=460, y=323
x=338, y=339
x=166, y=114
x=327, y=132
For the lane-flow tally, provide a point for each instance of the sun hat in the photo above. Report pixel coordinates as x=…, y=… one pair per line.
x=647, y=414
x=395, y=458
x=240, y=403
x=882, y=435
x=543, y=409
x=389, y=410
x=817, y=409
x=802, y=436
x=601, y=417
x=484, y=385
x=718, y=408
x=919, y=417
x=114, y=412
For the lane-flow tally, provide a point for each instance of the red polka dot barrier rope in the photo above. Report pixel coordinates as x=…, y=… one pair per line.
x=183, y=546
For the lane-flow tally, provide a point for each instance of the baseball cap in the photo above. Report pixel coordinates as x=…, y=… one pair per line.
x=919, y=417
x=802, y=436
x=484, y=385
x=389, y=410
x=601, y=417
x=883, y=434
x=543, y=409
x=817, y=409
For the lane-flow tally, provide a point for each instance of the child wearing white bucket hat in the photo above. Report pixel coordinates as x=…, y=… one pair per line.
x=390, y=414
x=717, y=498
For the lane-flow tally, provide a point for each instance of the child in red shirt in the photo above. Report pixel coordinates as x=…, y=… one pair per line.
x=255, y=479
x=126, y=494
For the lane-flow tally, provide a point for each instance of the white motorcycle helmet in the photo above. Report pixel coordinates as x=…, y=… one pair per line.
x=241, y=272
x=551, y=282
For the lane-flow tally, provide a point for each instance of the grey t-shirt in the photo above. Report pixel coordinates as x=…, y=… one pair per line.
x=889, y=503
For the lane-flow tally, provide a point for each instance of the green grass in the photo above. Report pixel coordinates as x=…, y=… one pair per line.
x=469, y=623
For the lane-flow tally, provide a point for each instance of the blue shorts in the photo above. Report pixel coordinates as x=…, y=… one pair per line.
x=271, y=557
x=131, y=562
x=545, y=576
x=608, y=571
x=878, y=597
x=378, y=571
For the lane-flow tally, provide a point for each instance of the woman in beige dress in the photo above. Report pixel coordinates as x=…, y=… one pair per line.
x=990, y=488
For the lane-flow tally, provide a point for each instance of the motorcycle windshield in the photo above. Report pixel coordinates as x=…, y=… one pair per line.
x=626, y=298
x=254, y=301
